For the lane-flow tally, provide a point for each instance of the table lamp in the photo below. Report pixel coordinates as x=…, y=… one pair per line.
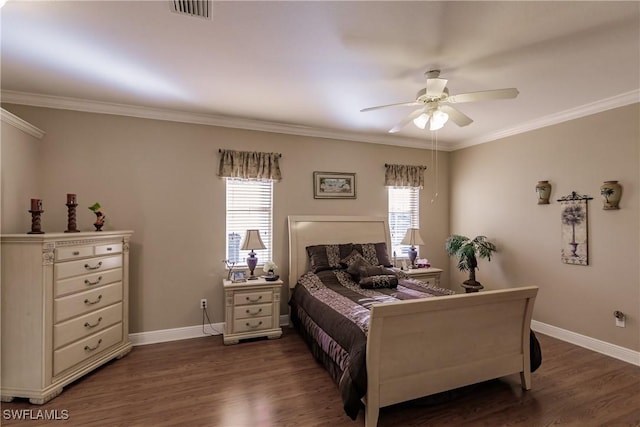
x=412, y=238
x=252, y=241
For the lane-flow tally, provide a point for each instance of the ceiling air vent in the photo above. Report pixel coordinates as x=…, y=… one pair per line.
x=200, y=8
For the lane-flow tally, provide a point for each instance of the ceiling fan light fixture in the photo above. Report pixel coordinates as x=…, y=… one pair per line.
x=421, y=120
x=438, y=120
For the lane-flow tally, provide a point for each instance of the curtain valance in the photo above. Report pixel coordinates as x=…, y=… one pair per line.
x=404, y=176
x=249, y=165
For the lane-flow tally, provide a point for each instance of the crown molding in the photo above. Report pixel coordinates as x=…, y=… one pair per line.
x=64, y=103
x=18, y=123
x=621, y=100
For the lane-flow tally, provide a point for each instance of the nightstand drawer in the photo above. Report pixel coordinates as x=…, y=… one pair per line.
x=86, y=266
x=65, y=254
x=84, y=302
x=252, y=297
x=89, y=281
x=252, y=311
x=84, y=349
x=71, y=330
x=112, y=248
x=251, y=325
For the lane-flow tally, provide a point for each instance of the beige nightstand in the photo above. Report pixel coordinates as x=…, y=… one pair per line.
x=429, y=275
x=252, y=309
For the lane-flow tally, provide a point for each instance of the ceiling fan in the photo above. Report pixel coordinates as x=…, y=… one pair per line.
x=434, y=99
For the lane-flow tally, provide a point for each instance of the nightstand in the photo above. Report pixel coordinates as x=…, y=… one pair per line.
x=429, y=275
x=252, y=309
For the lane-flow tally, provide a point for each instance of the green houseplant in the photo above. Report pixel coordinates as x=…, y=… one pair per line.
x=468, y=251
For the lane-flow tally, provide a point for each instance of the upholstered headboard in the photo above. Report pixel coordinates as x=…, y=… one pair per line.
x=308, y=230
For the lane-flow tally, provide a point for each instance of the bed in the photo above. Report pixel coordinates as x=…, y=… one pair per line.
x=388, y=345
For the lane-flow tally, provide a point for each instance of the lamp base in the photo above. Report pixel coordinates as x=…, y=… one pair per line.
x=413, y=254
x=252, y=262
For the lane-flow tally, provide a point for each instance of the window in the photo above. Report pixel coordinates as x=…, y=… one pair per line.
x=403, y=214
x=249, y=206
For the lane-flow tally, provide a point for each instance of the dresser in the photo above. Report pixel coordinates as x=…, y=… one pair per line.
x=252, y=309
x=428, y=275
x=65, y=300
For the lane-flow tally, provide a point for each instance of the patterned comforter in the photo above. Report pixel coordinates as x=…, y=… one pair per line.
x=331, y=311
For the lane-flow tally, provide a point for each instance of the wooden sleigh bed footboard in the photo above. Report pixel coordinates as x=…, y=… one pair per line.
x=422, y=347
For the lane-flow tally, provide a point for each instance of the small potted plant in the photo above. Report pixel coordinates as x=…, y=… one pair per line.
x=270, y=268
x=468, y=251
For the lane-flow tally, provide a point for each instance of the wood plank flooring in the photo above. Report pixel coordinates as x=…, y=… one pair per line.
x=269, y=383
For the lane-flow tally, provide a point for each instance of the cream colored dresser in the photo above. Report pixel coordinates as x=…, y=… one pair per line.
x=65, y=300
x=429, y=275
x=252, y=309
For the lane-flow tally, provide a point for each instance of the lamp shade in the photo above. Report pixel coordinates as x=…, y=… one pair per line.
x=412, y=237
x=252, y=241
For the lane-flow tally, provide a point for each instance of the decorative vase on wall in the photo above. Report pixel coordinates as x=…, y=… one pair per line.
x=610, y=192
x=543, y=188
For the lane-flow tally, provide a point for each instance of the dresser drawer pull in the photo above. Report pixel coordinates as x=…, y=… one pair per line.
x=88, y=267
x=255, y=312
x=89, y=325
x=249, y=325
x=93, y=302
x=254, y=299
x=76, y=253
x=109, y=248
x=89, y=283
x=88, y=348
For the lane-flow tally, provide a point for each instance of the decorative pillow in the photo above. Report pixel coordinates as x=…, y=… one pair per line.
x=379, y=281
x=327, y=257
x=359, y=268
x=374, y=253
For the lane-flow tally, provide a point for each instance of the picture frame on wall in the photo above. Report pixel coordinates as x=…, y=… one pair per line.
x=334, y=185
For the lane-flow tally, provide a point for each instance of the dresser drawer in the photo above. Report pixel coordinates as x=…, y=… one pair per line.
x=86, y=282
x=86, y=266
x=80, y=327
x=112, y=248
x=81, y=351
x=251, y=325
x=73, y=252
x=252, y=297
x=252, y=311
x=84, y=302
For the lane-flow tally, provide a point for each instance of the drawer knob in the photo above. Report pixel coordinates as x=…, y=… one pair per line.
x=76, y=253
x=255, y=312
x=88, y=348
x=109, y=249
x=89, y=283
x=88, y=267
x=254, y=299
x=249, y=325
x=86, y=301
x=89, y=325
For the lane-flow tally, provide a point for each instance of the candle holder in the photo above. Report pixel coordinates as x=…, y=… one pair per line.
x=35, y=222
x=71, y=218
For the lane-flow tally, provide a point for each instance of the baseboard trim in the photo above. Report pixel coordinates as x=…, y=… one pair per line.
x=608, y=349
x=188, y=332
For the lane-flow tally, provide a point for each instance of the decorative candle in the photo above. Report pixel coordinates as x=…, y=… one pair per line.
x=36, y=204
x=71, y=199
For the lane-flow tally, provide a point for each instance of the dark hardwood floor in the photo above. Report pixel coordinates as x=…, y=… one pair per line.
x=201, y=382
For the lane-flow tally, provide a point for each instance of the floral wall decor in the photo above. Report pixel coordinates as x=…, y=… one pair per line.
x=574, y=242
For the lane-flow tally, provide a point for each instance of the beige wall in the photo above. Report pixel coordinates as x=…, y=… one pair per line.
x=19, y=177
x=492, y=187
x=159, y=179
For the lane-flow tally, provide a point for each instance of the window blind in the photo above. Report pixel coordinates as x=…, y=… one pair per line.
x=403, y=214
x=249, y=206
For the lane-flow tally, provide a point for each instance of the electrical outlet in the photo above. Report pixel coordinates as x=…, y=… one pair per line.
x=620, y=322
x=203, y=303
x=620, y=318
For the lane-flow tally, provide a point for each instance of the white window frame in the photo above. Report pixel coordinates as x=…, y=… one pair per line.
x=249, y=205
x=404, y=213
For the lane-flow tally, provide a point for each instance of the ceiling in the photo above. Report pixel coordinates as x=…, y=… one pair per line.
x=310, y=67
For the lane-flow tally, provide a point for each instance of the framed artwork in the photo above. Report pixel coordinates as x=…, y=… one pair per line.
x=575, y=248
x=334, y=185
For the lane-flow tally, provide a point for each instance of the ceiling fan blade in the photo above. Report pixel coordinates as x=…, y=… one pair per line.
x=456, y=116
x=483, y=95
x=401, y=104
x=406, y=120
x=435, y=87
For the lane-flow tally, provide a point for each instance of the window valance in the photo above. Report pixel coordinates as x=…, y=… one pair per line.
x=404, y=176
x=249, y=165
